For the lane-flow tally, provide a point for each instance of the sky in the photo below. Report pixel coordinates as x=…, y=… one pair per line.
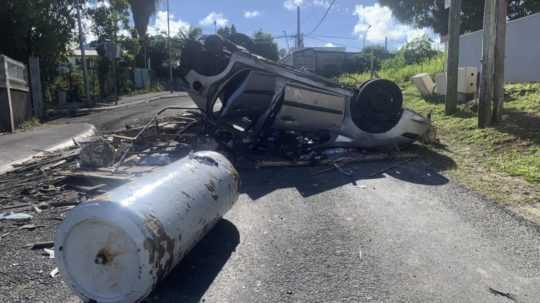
x=345, y=26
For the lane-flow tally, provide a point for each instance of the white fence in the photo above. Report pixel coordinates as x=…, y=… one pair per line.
x=522, y=62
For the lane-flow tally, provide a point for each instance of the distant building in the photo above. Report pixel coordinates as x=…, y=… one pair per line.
x=75, y=58
x=327, y=61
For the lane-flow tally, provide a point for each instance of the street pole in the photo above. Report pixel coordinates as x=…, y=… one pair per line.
x=365, y=37
x=299, y=43
x=454, y=24
x=169, y=48
x=487, y=86
x=500, y=54
x=83, y=53
x=287, y=40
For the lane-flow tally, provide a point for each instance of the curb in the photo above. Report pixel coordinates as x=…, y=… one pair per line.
x=92, y=131
x=105, y=108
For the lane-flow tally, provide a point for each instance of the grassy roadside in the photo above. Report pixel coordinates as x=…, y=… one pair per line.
x=501, y=162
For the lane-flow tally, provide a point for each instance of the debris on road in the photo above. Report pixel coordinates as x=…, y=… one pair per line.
x=96, y=153
x=142, y=229
x=41, y=245
x=258, y=112
x=15, y=216
x=49, y=252
x=53, y=272
x=30, y=227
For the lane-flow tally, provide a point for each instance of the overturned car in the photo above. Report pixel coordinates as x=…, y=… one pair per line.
x=256, y=103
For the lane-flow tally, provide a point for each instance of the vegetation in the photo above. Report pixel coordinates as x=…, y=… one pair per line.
x=505, y=157
x=432, y=13
x=413, y=58
x=42, y=28
x=141, y=11
x=261, y=43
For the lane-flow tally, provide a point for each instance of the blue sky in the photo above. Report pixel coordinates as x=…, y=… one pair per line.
x=345, y=25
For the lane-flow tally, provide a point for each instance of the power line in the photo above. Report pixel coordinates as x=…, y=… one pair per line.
x=323, y=18
x=335, y=37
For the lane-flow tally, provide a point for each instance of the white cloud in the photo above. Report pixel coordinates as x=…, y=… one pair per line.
x=160, y=25
x=329, y=44
x=87, y=25
x=105, y=4
x=214, y=17
x=322, y=3
x=383, y=25
x=251, y=14
x=292, y=4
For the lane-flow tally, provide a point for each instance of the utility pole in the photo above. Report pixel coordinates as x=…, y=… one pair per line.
x=365, y=37
x=169, y=47
x=454, y=24
x=500, y=54
x=386, y=43
x=83, y=53
x=299, y=40
x=287, y=40
x=487, y=87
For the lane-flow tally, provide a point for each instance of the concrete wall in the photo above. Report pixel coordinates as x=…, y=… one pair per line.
x=522, y=50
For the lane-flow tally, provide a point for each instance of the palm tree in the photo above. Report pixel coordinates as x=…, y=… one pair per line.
x=142, y=10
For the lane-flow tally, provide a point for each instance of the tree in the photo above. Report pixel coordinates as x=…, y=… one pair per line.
x=41, y=28
x=109, y=20
x=231, y=34
x=361, y=62
x=432, y=13
x=265, y=46
x=418, y=50
x=142, y=10
x=261, y=43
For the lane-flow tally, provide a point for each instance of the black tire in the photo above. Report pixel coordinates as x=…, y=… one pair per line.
x=378, y=106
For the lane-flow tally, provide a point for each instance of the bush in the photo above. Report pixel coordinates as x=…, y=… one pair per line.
x=397, y=72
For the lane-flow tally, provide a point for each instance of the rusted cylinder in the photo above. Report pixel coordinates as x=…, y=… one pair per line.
x=119, y=246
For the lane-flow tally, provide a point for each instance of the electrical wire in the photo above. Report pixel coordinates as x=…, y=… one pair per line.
x=323, y=18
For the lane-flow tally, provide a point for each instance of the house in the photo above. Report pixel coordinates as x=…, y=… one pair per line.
x=327, y=61
x=75, y=59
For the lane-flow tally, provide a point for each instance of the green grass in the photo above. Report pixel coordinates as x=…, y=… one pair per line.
x=29, y=124
x=512, y=147
x=503, y=161
x=398, y=74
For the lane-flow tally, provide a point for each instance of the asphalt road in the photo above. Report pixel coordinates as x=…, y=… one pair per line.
x=391, y=233
x=116, y=119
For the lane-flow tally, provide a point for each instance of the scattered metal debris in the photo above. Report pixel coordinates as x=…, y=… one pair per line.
x=49, y=252
x=96, y=152
x=30, y=227
x=53, y=272
x=507, y=295
x=15, y=216
x=41, y=245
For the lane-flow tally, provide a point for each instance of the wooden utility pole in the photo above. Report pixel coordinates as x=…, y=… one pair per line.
x=35, y=82
x=83, y=55
x=169, y=48
x=487, y=80
x=299, y=38
x=500, y=54
x=454, y=25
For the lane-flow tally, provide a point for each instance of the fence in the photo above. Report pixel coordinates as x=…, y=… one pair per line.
x=522, y=63
x=15, y=106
